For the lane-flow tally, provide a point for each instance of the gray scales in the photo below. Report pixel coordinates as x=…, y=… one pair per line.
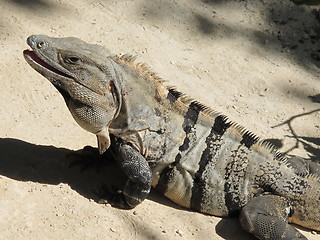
x=162, y=138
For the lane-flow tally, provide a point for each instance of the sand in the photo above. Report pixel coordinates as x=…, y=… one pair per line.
x=255, y=61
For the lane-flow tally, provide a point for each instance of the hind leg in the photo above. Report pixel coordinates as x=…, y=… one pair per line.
x=266, y=217
x=303, y=166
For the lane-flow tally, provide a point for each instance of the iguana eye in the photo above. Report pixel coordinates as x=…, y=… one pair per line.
x=40, y=44
x=73, y=60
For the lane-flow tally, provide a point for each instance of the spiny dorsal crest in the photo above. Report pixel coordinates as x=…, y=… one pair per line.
x=249, y=139
x=313, y=177
x=144, y=70
x=140, y=68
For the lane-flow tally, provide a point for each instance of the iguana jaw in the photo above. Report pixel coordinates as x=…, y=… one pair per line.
x=42, y=65
x=52, y=74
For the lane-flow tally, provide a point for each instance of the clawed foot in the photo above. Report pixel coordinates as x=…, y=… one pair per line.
x=112, y=196
x=88, y=158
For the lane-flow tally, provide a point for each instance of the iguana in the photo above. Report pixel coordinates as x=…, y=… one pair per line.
x=162, y=138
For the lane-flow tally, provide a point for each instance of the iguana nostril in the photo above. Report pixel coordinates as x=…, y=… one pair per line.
x=40, y=44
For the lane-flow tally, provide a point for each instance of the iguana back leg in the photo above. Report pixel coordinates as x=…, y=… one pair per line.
x=266, y=217
x=303, y=166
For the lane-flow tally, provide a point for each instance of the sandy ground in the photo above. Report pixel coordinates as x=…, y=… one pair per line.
x=255, y=61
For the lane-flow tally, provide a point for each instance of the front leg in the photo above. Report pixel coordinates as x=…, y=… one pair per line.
x=136, y=168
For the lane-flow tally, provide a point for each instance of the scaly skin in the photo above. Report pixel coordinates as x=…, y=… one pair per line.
x=196, y=157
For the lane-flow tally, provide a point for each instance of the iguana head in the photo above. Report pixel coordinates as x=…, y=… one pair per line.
x=84, y=76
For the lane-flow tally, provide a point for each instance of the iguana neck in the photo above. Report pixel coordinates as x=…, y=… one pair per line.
x=145, y=94
x=139, y=98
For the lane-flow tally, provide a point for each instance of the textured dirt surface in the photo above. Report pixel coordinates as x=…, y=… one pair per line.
x=255, y=61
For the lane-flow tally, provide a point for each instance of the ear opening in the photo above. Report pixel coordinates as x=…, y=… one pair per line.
x=116, y=96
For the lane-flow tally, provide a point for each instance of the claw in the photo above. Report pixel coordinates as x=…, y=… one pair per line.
x=88, y=158
x=112, y=196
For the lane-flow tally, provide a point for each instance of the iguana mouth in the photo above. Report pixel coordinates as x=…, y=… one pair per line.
x=38, y=64
x=54, y=75
x=32, y=57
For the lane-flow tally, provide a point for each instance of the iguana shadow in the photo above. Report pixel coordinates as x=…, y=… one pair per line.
x=25, y=161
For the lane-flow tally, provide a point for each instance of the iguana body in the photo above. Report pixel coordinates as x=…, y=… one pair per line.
x=193, y=155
